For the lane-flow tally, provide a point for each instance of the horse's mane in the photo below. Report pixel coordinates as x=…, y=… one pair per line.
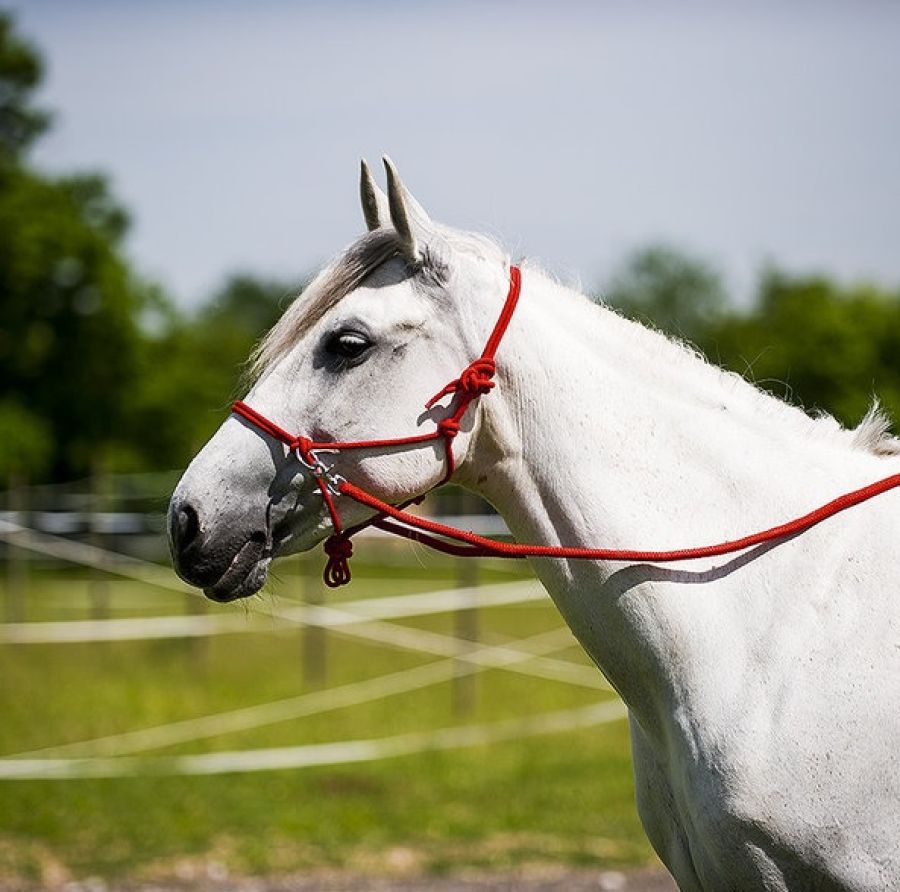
x=343, y=275
x=872, y=434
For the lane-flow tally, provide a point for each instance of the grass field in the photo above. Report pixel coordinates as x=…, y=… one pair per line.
x=560, y=798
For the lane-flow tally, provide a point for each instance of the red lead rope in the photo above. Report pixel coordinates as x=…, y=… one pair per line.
x=478, y=546
x=477, y=380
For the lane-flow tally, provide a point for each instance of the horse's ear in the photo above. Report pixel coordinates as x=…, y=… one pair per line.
x=374, y=201
x=407, y=215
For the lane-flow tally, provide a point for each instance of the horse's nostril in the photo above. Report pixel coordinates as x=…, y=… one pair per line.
x=185, y=527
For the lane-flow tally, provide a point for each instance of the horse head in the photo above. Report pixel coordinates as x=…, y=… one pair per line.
x=381, y=328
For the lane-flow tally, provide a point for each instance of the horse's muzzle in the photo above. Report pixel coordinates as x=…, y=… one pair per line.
x=225, y=567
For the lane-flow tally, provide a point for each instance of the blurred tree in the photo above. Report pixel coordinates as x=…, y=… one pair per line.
x=668, y=289
x=70, y=305
x=69, y=334
x=191, y=370
x=20, y=73
x=817, y=344
x=247, y=306
x=25, y=443
x=805, y=338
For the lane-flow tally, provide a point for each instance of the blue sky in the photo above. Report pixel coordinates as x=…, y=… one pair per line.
x=571, y=131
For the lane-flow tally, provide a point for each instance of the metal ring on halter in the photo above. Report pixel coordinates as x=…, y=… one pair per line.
x=333, y=482
x=303, y=461
x=317, y=462
x=321, y=471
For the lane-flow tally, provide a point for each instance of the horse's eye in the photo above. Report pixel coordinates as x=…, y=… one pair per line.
x=348, y=344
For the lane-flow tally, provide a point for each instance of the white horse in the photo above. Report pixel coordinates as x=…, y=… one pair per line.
x=763, y=689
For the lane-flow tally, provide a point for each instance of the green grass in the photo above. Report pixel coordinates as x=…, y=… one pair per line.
x=561, y=799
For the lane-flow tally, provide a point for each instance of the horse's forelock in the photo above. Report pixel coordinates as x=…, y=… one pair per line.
x=327, y=289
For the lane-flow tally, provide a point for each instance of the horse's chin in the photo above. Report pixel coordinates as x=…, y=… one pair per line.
x=245, y=576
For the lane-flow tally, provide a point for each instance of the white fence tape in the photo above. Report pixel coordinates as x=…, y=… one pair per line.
x=91, y=556
x=322, y=754
x=394, y=607
x=343, y=621
x=358, y=619
x=314, y=703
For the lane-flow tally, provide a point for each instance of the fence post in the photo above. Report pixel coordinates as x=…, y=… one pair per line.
x=465, y=621
x=99, y=586
x=16, y=558
x=314, y=643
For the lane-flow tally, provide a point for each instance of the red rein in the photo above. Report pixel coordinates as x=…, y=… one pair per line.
x=475, y=381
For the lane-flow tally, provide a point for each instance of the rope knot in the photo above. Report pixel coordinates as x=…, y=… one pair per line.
x=339, y=549
x=448, y=427
x=476, y=379
x=301, y=446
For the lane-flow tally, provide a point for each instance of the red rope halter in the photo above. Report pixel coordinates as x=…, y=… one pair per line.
x=477, y=380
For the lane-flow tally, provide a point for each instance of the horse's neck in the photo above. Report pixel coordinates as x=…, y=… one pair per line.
x=605, y=434
x=627, y=438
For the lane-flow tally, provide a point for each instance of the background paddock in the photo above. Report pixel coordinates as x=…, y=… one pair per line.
x=412, y=722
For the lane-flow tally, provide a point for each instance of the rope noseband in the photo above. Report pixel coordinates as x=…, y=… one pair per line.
x=475, y=381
